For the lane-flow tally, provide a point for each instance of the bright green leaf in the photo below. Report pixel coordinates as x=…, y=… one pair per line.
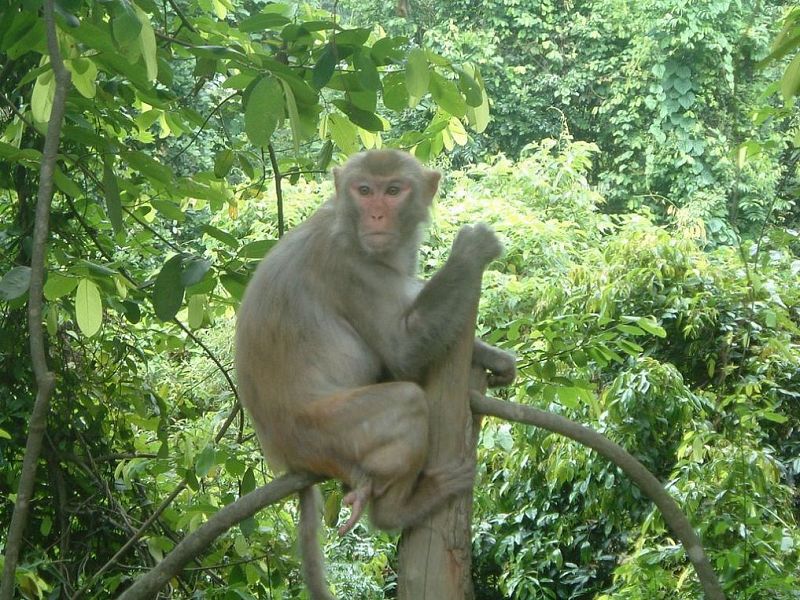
x=88, y=307
x=417, y=75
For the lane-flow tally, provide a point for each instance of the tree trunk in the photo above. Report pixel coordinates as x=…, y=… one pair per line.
x=434, y=558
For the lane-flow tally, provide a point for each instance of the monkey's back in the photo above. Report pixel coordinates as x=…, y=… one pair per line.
x=305, y=347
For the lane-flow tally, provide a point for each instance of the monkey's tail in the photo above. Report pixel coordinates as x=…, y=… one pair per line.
x=310, y=548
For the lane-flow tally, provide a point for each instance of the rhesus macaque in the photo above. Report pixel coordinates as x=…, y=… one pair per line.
x=333, y=338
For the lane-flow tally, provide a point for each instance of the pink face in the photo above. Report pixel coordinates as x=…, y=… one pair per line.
x=379, y=202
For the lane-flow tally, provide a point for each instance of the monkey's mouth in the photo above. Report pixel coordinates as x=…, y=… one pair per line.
x=377, y=240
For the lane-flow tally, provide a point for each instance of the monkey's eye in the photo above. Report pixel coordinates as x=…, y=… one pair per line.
x=393, y=190
x=363, y=190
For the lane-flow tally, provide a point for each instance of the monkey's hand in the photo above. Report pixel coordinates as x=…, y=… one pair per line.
x=476, y=244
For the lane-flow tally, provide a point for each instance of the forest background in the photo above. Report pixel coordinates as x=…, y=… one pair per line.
x=638, y=159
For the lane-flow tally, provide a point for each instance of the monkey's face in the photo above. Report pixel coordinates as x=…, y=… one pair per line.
x=380, y=204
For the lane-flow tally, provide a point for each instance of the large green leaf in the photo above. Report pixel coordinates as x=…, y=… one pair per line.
x=15, y=283
x=417, y=75
x=447, y=95
x=88, y=307
x=325, y=67
x=362, y=118
x=168, y=289
x=263, y=109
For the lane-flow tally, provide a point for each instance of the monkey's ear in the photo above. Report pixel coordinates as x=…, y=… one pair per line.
x=431, y=183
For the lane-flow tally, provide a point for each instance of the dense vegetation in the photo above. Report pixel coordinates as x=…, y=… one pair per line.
x=640, y=164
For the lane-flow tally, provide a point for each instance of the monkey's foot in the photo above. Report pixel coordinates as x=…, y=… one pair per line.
x=357, y=501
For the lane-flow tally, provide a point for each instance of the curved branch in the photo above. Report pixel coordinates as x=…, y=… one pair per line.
x=148, y=585
x=45, y=379
x=673, y=516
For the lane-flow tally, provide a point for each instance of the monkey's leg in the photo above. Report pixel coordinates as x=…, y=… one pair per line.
x=373, y=438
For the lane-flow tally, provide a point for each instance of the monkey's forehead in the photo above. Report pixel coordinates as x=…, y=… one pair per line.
x=385, y=162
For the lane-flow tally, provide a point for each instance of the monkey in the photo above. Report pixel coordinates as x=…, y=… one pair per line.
x=333, y=338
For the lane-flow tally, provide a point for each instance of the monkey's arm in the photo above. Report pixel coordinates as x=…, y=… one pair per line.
x=440, y=310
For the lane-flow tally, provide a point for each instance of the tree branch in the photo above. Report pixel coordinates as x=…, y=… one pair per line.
x=45, y=379
x=673, y=516
x=148, y=585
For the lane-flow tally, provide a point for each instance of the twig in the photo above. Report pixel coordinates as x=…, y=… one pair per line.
x=45, y=379
x=194, y=544
x=673, y=516
x=181, y=16
x=278, y=190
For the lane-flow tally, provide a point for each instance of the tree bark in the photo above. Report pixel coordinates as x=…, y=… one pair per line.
x=434, y=557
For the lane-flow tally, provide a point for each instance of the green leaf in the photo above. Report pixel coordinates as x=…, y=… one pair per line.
x=193, y=269
x=125, y=24
x=790, y=82
x=352, y=37
x=343, y=133
x=147, y=44
x=248, y=482
x=169, y=209
x=631, y=329
x=651, y=327
x=774, y=417
x=262, y=21
x=417, y=75
x=197, y=310
x=366, y=71
x=83, y=73
x=111, y=192
x=205, y=461
x=294, y=116
x=257, y=249
x=15, y=283
x=324, y=68
x=58, y=285
x=447, y=95
x=223, y=162
x=388, y=50
x=42, y=97
x=168, y=290
x=395, y=93
x=4, y=434
x=365, y=119
x=88, y=307
x=149, y=167
x=324, y=156
x=333, y=505
x=222, y=236
x=263, y=110
x=473, y=92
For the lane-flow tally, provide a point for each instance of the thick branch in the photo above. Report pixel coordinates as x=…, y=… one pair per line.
x=148, y=585
x=673, y=516
x=45, y=379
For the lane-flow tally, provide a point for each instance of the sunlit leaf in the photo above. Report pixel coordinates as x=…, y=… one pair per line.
x=88, y=307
